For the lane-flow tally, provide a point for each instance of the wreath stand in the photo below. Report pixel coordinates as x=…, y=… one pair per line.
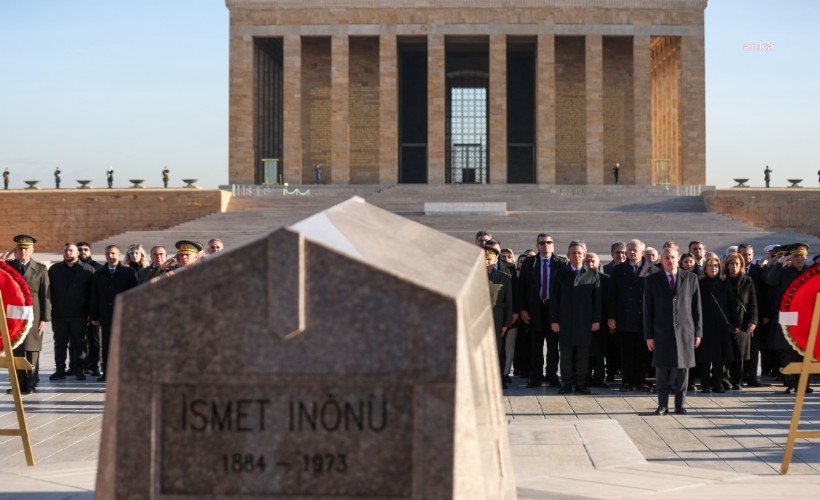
x=13, y=364
x=805, y=368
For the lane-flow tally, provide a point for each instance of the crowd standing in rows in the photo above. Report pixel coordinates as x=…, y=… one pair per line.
x=646, y=315
x=77, y=296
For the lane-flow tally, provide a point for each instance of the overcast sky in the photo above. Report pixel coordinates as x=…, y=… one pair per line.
x=143, y=84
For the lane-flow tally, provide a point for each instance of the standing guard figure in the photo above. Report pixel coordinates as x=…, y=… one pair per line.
x=767, y=175
x=110, y=176
x=165, y=176
x=616, y=171
x=57, y=178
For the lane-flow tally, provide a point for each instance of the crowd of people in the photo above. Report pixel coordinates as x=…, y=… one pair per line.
x=77, y=296
x=646, y=316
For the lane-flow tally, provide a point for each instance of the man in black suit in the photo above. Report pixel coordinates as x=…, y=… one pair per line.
x=501, y=302
x=91, y=345
x=106, y=284
x=35, y=275
x=70, y=298
x=534, y=287
x=508, y=268
x=672, y=328
x=618, y=253
x=575, y=309
x=146, y=274
x=625, y=313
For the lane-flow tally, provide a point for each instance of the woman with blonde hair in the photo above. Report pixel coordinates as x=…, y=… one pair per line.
x=719, y=323
x=135, y=257
x=743, y=290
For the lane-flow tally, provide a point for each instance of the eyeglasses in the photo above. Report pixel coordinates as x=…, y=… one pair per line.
x=621, y=252
x=550, y=242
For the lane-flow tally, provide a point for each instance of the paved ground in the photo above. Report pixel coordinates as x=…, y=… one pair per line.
x=604, y=446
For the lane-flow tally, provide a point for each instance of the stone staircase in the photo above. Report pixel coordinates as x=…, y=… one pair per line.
x=597, y=215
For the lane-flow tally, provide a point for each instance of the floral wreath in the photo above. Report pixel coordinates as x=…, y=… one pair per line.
x=17, y=304
x=788, y=298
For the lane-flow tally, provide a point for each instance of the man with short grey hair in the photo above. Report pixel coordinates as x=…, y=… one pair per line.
x=618, y=253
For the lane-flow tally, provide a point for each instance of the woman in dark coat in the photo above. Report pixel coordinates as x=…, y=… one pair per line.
x=719, y=320
x=744, y=292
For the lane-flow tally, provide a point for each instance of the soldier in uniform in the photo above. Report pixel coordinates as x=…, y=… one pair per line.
x=188, y=253
x=165, y=176
x=36, y=277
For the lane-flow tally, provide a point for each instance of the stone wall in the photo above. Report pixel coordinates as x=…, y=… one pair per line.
x=774, y=209
x=58, y=216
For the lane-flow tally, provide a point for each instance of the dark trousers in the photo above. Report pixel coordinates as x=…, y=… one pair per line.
x=613, y=356
x=574, y=362
x=540, y=331
x=502, y=352
x=635, y=357
x=711, y=375
x=676, y=379
x=736, y=372
x=750, y=365
x=521, y=360
x=784, y=357
x=106, y=345
x=92, y=347
x=69, y=334
x=28, y=379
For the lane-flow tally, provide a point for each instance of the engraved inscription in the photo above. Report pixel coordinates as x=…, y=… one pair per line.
x=286, y=440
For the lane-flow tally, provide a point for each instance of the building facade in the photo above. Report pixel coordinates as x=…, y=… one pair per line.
x=467, y=91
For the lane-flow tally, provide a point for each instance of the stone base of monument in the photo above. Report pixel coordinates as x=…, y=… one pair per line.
x=331, y=358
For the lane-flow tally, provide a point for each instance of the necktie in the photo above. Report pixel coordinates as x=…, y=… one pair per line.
x=672, y=282
x=544, y=280
x=636, y=269
x=111, y=270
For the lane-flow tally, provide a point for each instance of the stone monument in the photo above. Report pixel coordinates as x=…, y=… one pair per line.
x=331, y=358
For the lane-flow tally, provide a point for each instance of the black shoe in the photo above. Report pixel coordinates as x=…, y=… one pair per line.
x=754, y=383
x=662, y=410
x=555, y=383
x=735, y=387
x=507, y=379
x=583, y=391
x=79, y=374
x=720, y=390
x=94, y=371
x=603, y=385
x=725, y=385
x=58, y=375
x=625, y=388
x=705, y=389
x=532, y=384
x=565, y=390
x=101, y=379
x=788, y=390
x=680, y=410
x=610, y=378
x=809, y=390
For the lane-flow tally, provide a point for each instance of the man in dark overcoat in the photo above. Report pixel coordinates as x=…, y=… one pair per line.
x=575, y=309
x=70, y=296
x=534, y=287
x=625, y=316
x=35, y=275
x=108, y=282
x=501, y=302
x=672, y=327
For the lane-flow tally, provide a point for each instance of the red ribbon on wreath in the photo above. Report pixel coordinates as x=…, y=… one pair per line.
x=797, y=308
x=17, y=304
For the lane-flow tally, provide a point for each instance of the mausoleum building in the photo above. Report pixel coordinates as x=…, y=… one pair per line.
x=467, y=91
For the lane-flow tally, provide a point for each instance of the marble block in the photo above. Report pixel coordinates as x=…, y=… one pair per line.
x=331, y=358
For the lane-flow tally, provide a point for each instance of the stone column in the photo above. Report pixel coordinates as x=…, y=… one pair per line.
x=642, y=110
x=339, y=117
x=436, y=112
x=594, y=69
x=292, y=113
x=389, y=110
x=498, y=109
x=545, y=110
x=241, y=167
x=693, y=110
